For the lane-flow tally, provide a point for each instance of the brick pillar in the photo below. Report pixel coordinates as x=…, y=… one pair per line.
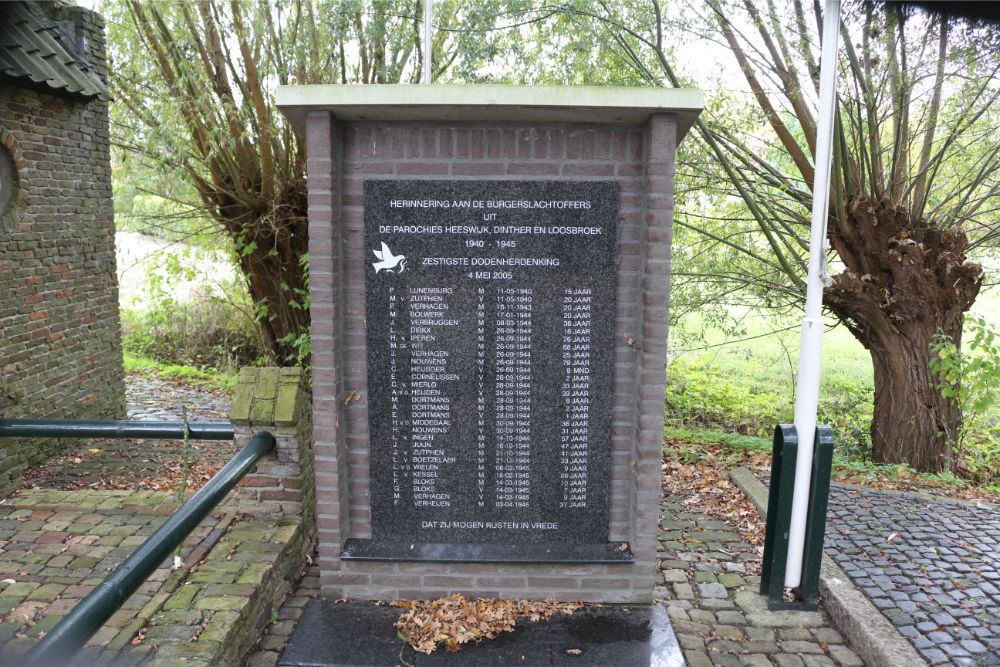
x=277, y=400
x=657, y=239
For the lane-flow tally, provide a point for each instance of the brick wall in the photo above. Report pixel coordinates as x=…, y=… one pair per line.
x=341, y=156
x=60, y=352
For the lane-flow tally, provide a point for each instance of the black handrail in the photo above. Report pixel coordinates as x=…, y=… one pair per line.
x=60, y=645
x=84, y=428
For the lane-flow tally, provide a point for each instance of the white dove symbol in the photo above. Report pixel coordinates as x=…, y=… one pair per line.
x=388, y=261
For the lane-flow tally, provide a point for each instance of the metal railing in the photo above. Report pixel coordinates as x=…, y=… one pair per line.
x=69, y=635
x=84, y=428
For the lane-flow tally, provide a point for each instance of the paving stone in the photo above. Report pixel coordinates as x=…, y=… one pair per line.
x=787, y=660
x=690, y=641
x=674, y=576
x=730, y=632
x=697, y=659
x=760, y=634
x=761, y=646
x=724, y=660
x=683, y=591
x=675, y=613
x=718, y=605
x=973, y=646
x=795, y=633
x=937, y=576
x=730, y=617
x=828, y=635
x=263, y=659
x=691, y=627
x=712, y=590
x=935, y=656
x=731, y=580
x=702, y=616
x=799, y=646
x=723, y=645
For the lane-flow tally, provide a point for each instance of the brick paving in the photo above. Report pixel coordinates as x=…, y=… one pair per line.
x=56, y=546
x=709, y=586
x=931, y=565
x=62, y=536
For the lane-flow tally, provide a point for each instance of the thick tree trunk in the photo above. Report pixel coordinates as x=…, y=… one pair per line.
x=270, y=245
x=903, y=282
x=276, y=280
x=912, y=422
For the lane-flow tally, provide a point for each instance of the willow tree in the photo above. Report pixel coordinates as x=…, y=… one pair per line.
x=193, y=86
x=915, y=176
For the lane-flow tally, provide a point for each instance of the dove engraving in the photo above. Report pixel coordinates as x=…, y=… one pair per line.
x=387, y=261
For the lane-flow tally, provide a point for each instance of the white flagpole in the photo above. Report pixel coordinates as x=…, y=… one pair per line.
x=811, y=347
x=428, y=47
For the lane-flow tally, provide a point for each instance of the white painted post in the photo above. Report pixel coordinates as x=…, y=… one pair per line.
x=428, y=45
x=811, y=346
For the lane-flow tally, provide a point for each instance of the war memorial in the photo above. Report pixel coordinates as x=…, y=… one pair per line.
x=490, y=271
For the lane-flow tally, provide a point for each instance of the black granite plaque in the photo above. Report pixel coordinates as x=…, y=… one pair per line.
x=490, y=316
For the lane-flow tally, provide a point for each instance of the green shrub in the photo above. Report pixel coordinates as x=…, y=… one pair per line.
x=969, y=377
x=752, y=402
x=206, y=332
x=698, y=394
x=846, y=406
x=211, y=379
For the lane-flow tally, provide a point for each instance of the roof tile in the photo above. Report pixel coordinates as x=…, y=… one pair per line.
x=33, y=49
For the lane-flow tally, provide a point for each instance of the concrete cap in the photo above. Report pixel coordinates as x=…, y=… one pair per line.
x=474, y=102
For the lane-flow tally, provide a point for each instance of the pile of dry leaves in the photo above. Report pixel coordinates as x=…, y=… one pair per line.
x=903, y=479
x=455, y=620
x=704, y=486
x=129, y=465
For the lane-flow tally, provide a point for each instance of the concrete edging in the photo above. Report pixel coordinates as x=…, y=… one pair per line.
x=870, y=634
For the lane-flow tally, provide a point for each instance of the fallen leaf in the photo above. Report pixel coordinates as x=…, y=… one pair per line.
x=455, y=620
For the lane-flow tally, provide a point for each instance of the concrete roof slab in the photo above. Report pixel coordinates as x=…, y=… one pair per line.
x=474, y=102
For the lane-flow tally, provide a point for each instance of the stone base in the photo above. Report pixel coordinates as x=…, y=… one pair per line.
x=360, y=634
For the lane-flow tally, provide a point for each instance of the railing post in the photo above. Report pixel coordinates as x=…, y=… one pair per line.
x=277, y=400
x=779, y=513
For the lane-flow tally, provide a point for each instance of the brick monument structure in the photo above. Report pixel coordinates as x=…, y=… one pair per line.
x=60, y=352
x=490, y=274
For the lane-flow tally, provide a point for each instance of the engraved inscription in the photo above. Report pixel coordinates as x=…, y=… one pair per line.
x=490, y=315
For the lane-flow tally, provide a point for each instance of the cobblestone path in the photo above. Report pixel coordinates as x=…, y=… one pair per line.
x=709, y=586
x=154, y=399
x=932, y=566
x=710, y=595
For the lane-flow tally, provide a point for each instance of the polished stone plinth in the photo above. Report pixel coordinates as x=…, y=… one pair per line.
x=362, y=635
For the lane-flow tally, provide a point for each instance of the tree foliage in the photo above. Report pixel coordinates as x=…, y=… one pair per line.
x=194, y=119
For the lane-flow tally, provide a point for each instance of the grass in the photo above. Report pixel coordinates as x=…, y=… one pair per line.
x=744, y=384
x=210, y=379
x=764, y=355
x=728, y=450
